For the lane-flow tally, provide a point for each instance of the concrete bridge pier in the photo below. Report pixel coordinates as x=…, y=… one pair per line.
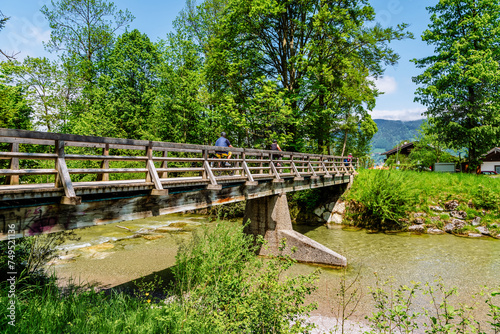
x=269, y=216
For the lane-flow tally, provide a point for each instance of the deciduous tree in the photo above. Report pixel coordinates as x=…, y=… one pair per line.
x=460, y=81
x=84, y=29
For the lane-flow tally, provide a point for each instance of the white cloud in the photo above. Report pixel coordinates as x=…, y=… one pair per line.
x=401, y=114
x=386, y=84
x=25, y=36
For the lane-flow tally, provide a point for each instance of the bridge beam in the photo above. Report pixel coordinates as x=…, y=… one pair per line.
x=269, y=217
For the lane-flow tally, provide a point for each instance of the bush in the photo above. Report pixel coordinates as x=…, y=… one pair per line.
x=379, y=199
x=229, y=289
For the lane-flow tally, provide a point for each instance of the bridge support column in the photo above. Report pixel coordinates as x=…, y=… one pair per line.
x=269, y=217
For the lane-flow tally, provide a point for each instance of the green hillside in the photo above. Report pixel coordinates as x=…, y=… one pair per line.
x=390, y=133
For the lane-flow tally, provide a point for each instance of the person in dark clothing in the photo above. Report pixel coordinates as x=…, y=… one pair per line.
x=276, y=147
x=223, y=142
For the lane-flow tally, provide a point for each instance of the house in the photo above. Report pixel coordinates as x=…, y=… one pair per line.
x=491, y=160
x=404, y=149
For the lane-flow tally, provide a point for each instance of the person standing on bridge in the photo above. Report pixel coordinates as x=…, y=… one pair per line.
x=223, y=142
x=276, y=147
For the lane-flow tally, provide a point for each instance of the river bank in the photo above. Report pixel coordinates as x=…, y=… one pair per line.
x=110, y=256
x=422, y=202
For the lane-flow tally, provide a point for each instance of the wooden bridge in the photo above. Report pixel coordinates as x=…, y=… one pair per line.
x=55, y=181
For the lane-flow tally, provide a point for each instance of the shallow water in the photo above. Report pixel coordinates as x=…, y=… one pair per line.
x=150, y=245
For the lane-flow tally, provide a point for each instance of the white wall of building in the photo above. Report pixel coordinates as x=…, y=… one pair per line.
x=490, y=165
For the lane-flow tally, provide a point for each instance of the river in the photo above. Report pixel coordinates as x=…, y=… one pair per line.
x=112, y=255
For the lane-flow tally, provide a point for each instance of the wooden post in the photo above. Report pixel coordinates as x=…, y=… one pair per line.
x=152, y=174
x=314, y=176
x=213, y=183
x=261, y=163
x=104, y=165
x=62, y=177
x=205, y=159
x=327, y=174
x=164, y=175
x=238, y=155
x=14, y=164
x=295, y=170
x=247, y=172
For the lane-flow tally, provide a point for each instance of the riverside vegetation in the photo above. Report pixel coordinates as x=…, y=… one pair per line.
x=219, y=285
x=394, y=200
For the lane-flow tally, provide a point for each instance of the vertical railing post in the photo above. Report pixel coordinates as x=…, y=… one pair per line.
x=104, y=165
x=14, y=165
x=261, y=171
x=204, y=155
x=164, y=175
x=62, y=177
x=295, y=170
x=238, y=156
x=213, y=182
x=152, y=174
x=246, y=171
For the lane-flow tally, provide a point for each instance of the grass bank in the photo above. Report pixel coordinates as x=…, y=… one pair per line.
x=219, y=286
x=387, y=200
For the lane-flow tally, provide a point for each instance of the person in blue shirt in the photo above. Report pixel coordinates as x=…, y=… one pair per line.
x=223, y=142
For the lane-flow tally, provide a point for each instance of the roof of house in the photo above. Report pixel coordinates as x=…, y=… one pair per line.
x=493, y=151
x=398, y=148
x=491, y=154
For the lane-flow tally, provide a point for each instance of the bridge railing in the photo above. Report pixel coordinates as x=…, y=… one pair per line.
x=83, y=164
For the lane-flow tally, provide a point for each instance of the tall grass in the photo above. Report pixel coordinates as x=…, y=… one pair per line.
x=220, y=286
x=379, y=199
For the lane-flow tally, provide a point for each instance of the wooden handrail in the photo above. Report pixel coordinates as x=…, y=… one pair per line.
x=153, y=161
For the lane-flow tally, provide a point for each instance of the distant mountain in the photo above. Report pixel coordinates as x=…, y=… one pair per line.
x=390, y=133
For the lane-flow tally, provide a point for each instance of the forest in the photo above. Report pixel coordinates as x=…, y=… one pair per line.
x=299, y=72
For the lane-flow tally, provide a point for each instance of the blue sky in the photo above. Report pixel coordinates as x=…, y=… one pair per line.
x=27, y=29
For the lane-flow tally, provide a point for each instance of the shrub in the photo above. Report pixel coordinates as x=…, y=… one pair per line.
x=485, y=198
x=379, y=199
x=227, y=288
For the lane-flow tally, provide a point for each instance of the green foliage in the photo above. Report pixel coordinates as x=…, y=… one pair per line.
x=379, y=199
x=395, y=311
x=307, y=198
x=15, y=112
x=309, y=92
x=457, y=79
x=31, y=254
x=486, y=198
x=221, y=286
x=125, y=93
x=394, y=308
x=84, y=29
x=228, y=289
x=426, y=189
x=494, y=310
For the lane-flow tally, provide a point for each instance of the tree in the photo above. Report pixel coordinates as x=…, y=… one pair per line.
x=43, y=88
x=460, y=81
x=125, y=91
x=313, y=58
x=14, y=111
x=180, y=113
x=84, y=29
